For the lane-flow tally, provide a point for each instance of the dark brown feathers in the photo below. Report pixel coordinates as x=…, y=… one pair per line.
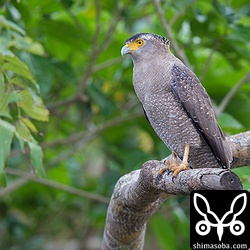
x=196, y=102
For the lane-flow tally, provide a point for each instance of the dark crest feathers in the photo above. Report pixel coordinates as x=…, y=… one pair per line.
x=149, y=36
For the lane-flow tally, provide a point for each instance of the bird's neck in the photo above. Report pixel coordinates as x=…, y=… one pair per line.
x=147, y=76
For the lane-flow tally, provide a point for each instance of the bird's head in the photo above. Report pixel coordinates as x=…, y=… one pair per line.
x=144, y=45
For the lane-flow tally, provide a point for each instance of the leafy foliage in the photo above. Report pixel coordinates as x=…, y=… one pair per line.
x=63, y=58
x=19, y=101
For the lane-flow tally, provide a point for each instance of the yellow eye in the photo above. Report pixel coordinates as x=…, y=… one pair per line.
x=140, y=42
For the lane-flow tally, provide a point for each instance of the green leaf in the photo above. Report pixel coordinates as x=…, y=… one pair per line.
x=21, y=142
x=19, y=81
x=33, y=105
x=11, y=25
x=6, y=135
x=4, y=100
x=27, y=44
x=15, y=65
x=36, y=156
x=228, y=122
x=2, y=84
x=75, y=37
x=4, y=95
x=23, y=130
x=30, y=125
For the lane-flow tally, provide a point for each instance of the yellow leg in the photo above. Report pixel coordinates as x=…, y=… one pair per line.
x=184, y=163
x=186, y=153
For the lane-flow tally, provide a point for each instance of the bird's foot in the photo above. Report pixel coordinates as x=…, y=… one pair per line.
x=176, y=167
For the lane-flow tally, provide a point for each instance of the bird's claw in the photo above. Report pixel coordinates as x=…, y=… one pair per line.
x=177, y=168
x=174, y=166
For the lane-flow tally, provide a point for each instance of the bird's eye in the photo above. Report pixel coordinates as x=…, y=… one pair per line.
x=140, y=42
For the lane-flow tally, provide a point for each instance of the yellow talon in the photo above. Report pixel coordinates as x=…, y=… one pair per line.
x=175, y=167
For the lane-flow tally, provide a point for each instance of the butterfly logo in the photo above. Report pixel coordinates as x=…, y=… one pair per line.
x=203, y=227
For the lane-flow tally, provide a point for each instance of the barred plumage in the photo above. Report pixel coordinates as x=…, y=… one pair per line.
x=175, y=103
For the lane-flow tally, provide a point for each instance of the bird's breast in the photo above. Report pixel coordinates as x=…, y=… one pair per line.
x=166, y=113
x=148, y=80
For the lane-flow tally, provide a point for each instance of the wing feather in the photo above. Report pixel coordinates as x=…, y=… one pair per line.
x=196, y=102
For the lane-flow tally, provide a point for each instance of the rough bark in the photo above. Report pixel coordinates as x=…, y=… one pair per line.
x=240, y=144
x=139, y=194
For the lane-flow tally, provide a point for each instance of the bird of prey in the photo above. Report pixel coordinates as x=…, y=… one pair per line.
x=176, y=105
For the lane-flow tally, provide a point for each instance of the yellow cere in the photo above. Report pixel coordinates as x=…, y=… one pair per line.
x=135, y=45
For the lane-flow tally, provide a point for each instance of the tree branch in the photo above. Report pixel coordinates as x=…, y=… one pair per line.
x=98, y=48
x=139, y=194
x=181, y=12
x=240, y=144
x=231, y=93
x=13, y=186
x=178, y=51
x=95, y=51
x=79, y=139
x=209, y=59
x=53, y=184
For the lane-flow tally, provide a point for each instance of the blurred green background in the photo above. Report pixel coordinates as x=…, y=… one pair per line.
x=71, y=125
